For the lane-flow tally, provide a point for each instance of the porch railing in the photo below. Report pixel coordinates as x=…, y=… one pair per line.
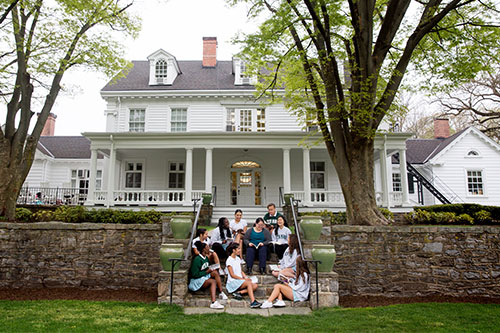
x=336, y=198
x=127, y=197
x=51, y=196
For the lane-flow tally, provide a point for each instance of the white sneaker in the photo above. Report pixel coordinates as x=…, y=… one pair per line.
x=266, y=305
x=223, y=296
x=216, y=305
x=279, y=304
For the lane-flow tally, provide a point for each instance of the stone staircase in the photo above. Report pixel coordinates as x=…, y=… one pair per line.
x=328, y=282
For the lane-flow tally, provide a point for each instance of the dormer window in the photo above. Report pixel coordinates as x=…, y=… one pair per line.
x=472, y=153
x=245, y=79
x=163, y=68
x=161, y=71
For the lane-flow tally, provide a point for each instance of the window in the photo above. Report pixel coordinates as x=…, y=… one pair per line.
x=245, y=79
x=176, y=175
x=475, y=183
x=179, y=120
x=411, y=184
x=246, y=120
x=472, y=153
x=161, y=70
x=396, y=182
x=230, y=121
x=317, y=175
x=80, y=179
x=133, y=175
x=137, y=120
x=261, y=120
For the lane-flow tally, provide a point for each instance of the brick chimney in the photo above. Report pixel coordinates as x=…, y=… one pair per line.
x=50, y=125
x=209, y=51
x=441, y=128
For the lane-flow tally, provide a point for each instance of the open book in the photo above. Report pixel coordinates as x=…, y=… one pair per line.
x=283, y=278
x=274, y=268
x=214, y=267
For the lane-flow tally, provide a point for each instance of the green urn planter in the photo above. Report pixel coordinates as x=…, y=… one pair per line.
x=168, y=251
x=287, y=197
x=206, y=198
x=325, y=253
x=311, y=226
x=181, y=226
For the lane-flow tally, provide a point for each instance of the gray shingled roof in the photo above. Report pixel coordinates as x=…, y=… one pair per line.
x=193, y=77
x=65, y=146
x=419, y=151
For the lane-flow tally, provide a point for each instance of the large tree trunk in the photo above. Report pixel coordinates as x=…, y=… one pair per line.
x=14, y=168
x=358, y=185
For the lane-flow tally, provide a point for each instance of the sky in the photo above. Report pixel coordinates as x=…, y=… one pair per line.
x=177, y=26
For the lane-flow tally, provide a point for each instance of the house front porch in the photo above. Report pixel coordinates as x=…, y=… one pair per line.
x=170, y=170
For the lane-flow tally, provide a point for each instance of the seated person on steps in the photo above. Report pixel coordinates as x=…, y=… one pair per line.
x=201, y=276
x=202, y=236
x=238, y=228
x=280, y=237
x=220, y=238
x=236, y=279
x=296, y=289
x=256, y=241
x=271, y=217
x=287, y=263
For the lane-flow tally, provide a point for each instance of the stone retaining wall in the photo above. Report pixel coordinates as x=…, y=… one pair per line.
x=86, y=255
x=391, y=261
x=417, y=261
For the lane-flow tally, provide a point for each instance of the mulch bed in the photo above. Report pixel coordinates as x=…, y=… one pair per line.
x=150, y=296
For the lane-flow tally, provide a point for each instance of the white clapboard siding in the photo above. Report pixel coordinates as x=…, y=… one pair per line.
x=157, y=115
x=279, y=119
x=35, y=176
x=454, y=164
x=205, y=118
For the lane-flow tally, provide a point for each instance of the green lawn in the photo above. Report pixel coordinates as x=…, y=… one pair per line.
x=83, y=316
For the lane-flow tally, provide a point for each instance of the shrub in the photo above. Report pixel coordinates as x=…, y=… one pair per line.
x=482, y=216
x=443, y=217
x=69, y=214
x=23, y=214
x=387, y=213
x=464, y=219
x=43, y=216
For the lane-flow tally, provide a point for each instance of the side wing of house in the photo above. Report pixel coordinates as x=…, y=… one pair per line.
x=470, y=167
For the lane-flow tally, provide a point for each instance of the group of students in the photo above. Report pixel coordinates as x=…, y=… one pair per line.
x=227, y=243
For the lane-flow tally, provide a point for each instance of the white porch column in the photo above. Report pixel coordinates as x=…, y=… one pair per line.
x=307, y=176
x=286, y=171
x=383, y=177
x=111, y=173
x=189, y=176
x=208, y=170
x=93, y=170
x=404, y=176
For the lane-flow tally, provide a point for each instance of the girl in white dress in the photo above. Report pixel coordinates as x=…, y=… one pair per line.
x=237, y=282
x=238, y=227
x=296, y=289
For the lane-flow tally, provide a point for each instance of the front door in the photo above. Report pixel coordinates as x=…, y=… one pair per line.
x=246, y=187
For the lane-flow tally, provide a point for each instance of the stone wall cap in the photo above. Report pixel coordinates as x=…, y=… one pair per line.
x=418, y=229
x=78, y=226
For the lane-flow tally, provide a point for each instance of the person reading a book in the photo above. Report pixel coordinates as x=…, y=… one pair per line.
x=238, y=228
x=271, y=217
x=280, y=237
x=295, y=289
x=256, y=241
x=202, y=276
x=287, y=263
x=221, y=238
x=202, y=236
x=237, y=282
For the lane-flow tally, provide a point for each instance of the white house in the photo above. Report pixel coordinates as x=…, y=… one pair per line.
x=176, y=129
x=463, y=167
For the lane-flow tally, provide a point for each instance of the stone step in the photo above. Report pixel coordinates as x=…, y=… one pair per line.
x=233, y=303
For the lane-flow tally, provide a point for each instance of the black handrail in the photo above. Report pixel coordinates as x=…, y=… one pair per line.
x=195, y=226
x=316, y=262
x=174, y=261
x=297, y=231
x=296, y=224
